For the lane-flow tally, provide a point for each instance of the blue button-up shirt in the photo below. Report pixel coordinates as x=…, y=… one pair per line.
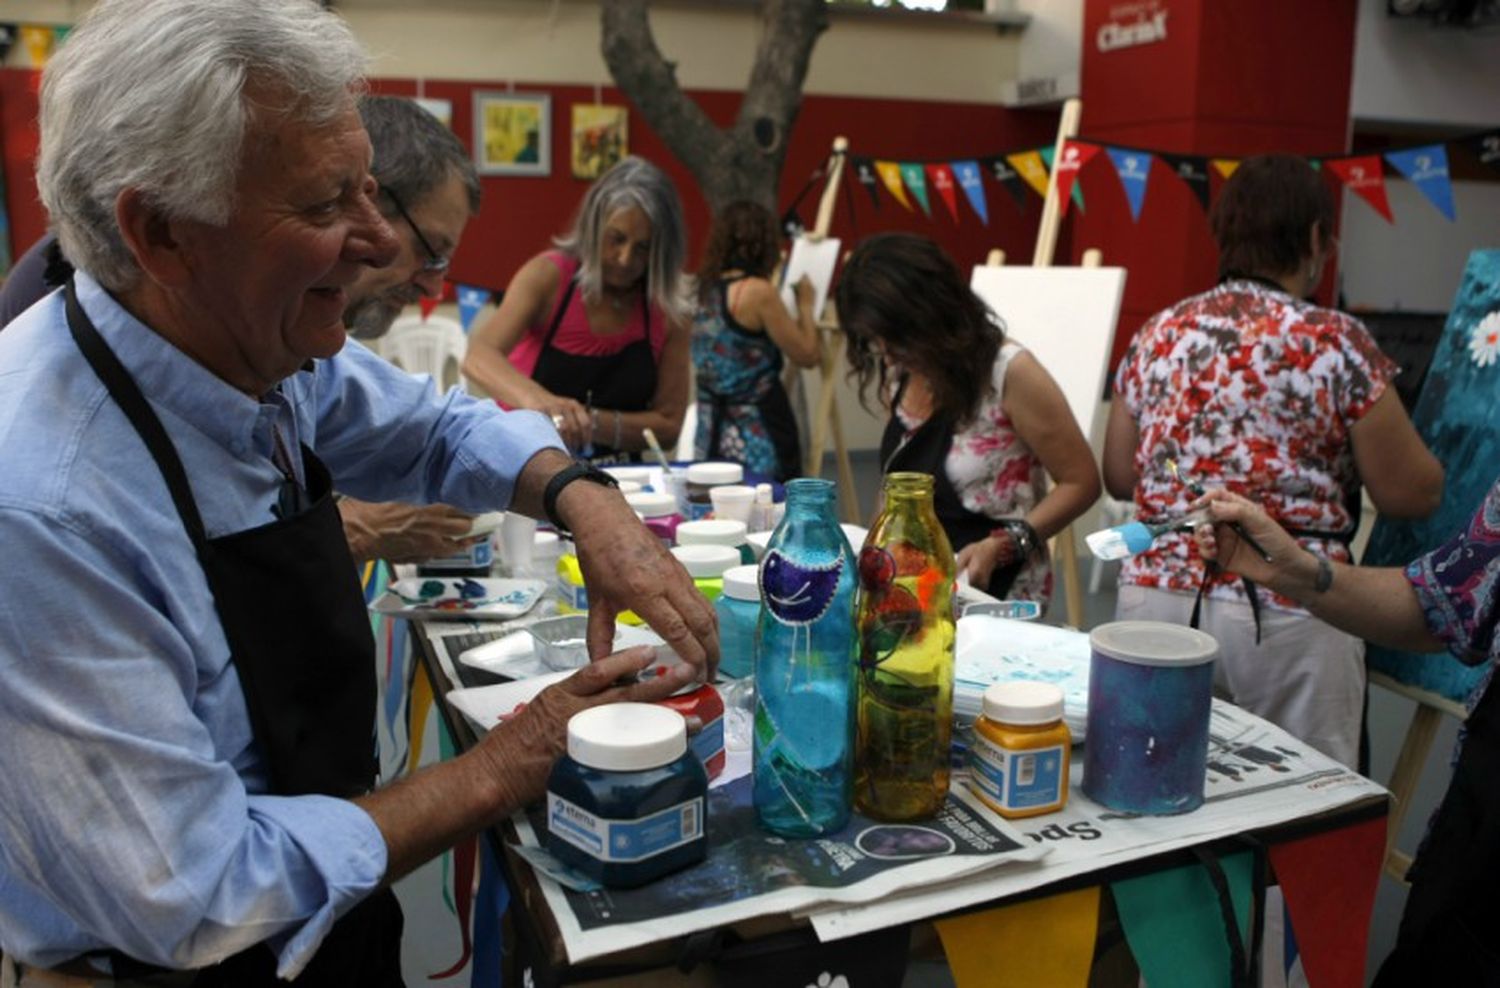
x=133, y=804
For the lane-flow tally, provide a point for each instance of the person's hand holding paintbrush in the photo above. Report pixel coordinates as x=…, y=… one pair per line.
x=1198, y=491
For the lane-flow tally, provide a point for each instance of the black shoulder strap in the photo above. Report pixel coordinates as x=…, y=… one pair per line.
x=127, y=394
x=562, y=308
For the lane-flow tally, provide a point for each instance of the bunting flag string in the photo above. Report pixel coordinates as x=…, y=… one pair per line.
x=470, y=300
x=1026, y=171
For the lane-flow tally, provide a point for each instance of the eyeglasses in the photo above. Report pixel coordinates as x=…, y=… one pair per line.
x=435, y=262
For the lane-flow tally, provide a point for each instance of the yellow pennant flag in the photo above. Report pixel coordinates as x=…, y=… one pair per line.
x=1044, y=943
x=420, y=706
x=1226, y=166
x=38, y=40
x=1028, y=164
x=890, y=174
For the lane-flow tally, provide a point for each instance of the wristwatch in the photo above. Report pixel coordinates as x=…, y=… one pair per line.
x=577, y=470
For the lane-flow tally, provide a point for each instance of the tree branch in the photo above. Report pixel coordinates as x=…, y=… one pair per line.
x=650, y=82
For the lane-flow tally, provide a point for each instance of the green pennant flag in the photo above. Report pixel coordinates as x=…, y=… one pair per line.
x=915, y=178
x=1174, y=926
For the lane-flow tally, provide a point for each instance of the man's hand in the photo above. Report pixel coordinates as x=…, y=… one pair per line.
x=626, y=566
x=523, y=748
x=403, y=533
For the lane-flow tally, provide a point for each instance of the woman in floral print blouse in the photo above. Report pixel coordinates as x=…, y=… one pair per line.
x=1251, y=388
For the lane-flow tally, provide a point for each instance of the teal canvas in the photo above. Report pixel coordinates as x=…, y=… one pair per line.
x=1458, y=415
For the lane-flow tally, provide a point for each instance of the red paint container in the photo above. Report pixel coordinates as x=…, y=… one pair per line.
x=704, y=703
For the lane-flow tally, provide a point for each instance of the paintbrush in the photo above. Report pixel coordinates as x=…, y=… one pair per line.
x=1197, y=490
x=1127, y=539
x=656, y=450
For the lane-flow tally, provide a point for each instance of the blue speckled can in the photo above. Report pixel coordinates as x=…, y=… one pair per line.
x=1150, y=690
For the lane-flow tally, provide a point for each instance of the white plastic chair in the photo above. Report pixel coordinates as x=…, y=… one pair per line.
x=434, y=346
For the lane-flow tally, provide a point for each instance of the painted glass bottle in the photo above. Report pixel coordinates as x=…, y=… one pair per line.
x=904, y=621
x=804, y=669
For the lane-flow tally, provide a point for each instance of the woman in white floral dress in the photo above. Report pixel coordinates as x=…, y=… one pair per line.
x=973, y=409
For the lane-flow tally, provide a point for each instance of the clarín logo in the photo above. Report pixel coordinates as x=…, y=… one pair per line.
x=1148, y=26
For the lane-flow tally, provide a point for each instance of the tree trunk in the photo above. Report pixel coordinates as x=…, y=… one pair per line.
x=743, y=161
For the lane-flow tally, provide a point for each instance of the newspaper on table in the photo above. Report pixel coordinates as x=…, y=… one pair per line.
x=750, y=872
x=1258, y=776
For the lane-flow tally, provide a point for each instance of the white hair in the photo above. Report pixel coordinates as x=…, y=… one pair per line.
x=633, y=182
x=159, y=95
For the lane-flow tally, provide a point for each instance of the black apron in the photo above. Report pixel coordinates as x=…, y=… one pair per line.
x=926, y=451
x=299, y=635
x=770, y=403
x=625, y=381
x=1447, y=934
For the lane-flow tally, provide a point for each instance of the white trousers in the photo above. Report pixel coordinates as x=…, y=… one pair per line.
x=1305, y=676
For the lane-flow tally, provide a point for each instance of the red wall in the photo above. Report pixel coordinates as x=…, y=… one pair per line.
x=521, y=214
x=1231, y=79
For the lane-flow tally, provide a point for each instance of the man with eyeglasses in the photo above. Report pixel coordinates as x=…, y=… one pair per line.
x=428, y=192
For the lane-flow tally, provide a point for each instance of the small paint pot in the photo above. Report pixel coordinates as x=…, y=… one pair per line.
x=1150, y=693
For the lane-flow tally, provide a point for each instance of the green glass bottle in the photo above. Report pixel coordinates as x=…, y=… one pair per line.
x=904, y=622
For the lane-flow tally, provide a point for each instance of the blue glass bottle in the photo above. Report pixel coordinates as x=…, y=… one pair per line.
x=804, y=670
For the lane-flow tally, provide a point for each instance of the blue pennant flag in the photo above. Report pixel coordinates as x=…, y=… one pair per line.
x=1133, y=167
x=1427, y=169
x=470, y=301
x=967, y=173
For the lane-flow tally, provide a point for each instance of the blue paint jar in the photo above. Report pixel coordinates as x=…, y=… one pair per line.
x=738, y=607
x=626, y=804
x=1150, y=693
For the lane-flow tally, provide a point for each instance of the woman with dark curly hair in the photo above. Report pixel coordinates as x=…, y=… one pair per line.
x=740, y=331
x=1250, y=388
x=975, y=410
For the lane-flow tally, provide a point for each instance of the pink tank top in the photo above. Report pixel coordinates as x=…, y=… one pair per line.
x=574, y=335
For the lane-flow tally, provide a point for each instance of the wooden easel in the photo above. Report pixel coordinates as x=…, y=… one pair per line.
x=826, y=419
x=1063, y=546
x=1413, y=755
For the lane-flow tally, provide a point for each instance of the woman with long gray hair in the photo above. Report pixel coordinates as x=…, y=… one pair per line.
x=593, y=332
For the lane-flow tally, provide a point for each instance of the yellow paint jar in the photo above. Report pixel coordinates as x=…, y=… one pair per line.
x=1018, y=764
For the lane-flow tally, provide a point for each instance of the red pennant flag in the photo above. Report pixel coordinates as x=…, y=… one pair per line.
x=427, y=305
x=1329, y=882
x=1074, y=156
x=1365, y=177
x=940, y=177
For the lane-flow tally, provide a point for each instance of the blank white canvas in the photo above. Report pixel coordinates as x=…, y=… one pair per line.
x=816, y=259
x=1066, y=317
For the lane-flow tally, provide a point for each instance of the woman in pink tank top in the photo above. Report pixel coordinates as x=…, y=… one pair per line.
x=594, y=332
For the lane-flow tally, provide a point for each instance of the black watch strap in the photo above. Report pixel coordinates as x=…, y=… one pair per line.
x=576, y=470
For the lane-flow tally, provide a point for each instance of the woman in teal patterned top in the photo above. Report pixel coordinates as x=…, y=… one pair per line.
x=740, y=330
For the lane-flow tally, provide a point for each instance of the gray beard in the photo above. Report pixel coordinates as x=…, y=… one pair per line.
x=370, y=319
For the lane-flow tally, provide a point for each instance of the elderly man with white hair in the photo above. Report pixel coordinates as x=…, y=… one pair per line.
x=185, y=781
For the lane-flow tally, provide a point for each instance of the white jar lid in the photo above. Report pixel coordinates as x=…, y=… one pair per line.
x=636, y=475
x=626, y=737
x=652, y=504
x=712, y=531
x=742, y=583
x=709, y=474
x=1153, y=643
x=705, y=562
x=1023, y=702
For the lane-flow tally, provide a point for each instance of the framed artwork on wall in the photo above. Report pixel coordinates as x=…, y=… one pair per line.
x=513, y=133
x=601, y=137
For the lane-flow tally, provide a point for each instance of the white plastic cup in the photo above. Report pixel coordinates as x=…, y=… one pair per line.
x=517, y=534
x=732, y=502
